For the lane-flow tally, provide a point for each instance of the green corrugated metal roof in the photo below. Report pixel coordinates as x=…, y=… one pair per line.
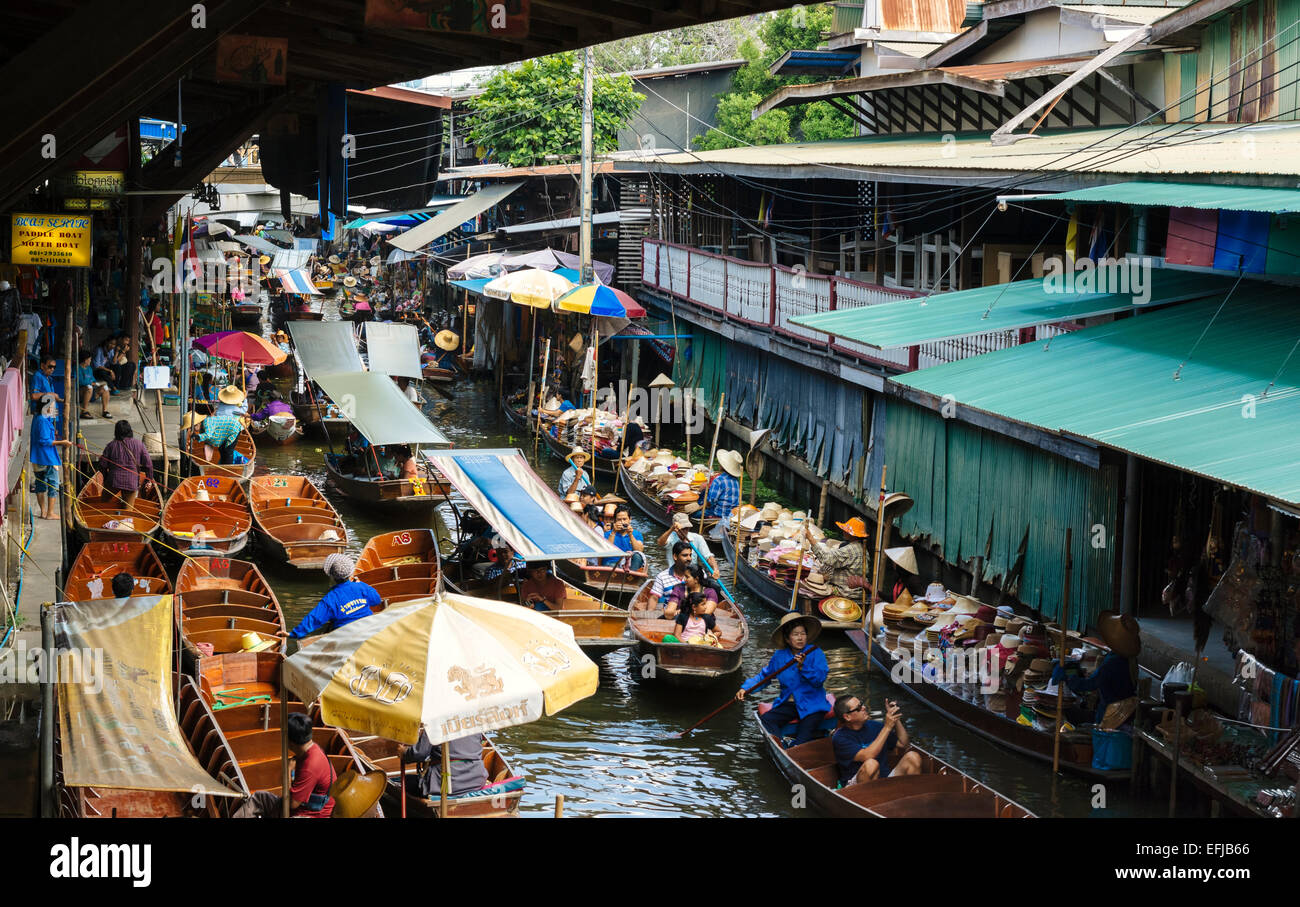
x=1021, y=304
x=1186, y=195
x=1115, y=385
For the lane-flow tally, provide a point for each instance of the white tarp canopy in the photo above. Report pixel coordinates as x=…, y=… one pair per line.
x=422, y=234
x=378, y=408
x=291, y=259
x=261, y=245
x=393, y=349
x=325, y=347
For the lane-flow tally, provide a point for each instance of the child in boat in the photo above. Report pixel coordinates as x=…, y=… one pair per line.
x=694, y=623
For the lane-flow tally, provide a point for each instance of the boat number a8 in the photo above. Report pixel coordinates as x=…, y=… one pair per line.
x=402, y=538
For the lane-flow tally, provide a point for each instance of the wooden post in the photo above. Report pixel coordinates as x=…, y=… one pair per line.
x=559, y=806
x=162, y=426
x=1060, y=688
x=595, y=385
x=445, y=786
x=798, y=573
x=735, y=564
x=541, y=397
x=717, y=427
x=869, y=617
x=821, y=505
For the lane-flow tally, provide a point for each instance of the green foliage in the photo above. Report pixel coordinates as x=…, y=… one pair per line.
x=822, y=122
x=734, y=118
x=535, y=110
x=706, y=42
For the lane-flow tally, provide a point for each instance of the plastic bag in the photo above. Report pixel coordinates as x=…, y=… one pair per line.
x=1180, y=673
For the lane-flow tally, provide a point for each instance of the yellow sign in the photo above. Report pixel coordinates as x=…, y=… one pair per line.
x=51, y=240
x=95, y=182
x=82, y=204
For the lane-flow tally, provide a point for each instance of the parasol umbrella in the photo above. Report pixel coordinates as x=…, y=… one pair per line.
x=478, y=266
x=530, y=287
x=241, y=346
x=598, y=299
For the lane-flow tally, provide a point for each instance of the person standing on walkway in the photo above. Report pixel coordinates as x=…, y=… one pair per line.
x=126, y=464
x=45, y=458
x=43, y=385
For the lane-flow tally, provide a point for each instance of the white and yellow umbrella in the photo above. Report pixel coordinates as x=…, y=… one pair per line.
x=453, y=665
x=531, y=287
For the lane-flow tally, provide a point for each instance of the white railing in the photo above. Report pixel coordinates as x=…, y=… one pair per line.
x=798, y=294
x=749, y=292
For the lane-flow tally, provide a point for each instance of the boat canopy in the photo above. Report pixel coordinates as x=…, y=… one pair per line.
x=393, y=349
x=522, y=508
x=379, y=409
x=325, y=347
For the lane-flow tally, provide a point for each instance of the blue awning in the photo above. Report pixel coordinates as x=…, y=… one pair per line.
x=522, y=508
x=474, y=286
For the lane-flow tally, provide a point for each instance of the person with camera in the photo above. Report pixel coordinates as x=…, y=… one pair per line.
x=864, y=748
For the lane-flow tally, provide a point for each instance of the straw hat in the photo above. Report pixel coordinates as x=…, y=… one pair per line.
x=354, y=793
x=662, y=380
x=192, y=420
x=904, y=557
x=811, y=625
x=770, y=512
x=1121, y=632
x=251, y=642
x=840, y=608
x=333, y=259
x=231, y=395
x=349, y=281
x=732, y=462
x=577, y=452
x=375, y=261
x=264, y=259
x=855, y=527
x=446, y=340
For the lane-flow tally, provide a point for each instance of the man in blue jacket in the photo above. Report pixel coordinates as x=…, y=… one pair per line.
x=347, y=601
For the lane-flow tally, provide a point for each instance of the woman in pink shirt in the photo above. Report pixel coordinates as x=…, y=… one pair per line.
x=693, y=622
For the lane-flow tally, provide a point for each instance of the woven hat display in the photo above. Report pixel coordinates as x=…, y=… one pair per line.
x=904, y=557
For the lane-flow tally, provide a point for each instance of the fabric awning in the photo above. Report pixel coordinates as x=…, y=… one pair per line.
x=297, y=282
x=421, y=235
x=393, y=349
x=397, y=255
x=228, y=247
x=291, y=258
x=117, y=718
x=325, y=347
x=1184, y=386
x=1182, y=195
x=261, y=245
x=309, y=244
x=378, y=409
x=474, y=286
x=1007, y=306
x=522, y=508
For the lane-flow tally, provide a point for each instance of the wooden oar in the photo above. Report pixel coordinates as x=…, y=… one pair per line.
x=758, y=683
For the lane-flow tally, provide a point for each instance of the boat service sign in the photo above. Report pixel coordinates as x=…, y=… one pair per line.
x=50, y=240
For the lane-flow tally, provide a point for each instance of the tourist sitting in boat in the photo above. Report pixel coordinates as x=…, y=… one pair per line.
x=696, y=582
x=625, y=537
x=803, y=696
x=282, y=341
x=575, y=476
x=231, y=402
x=864, y=749
x=587, y=497
x=403, y=459
x=219, y=433
x=347, y=600
x=592, y=516
x=680, y=531
x=275, y=406
x=724, y=488
x=539, y=589
x=122, y=585
x=1112, y=678
x=694, y=623
x=407, y=388
x=125, y=464
x=464, y=758
x=309, y=796
x=90, y=387
x=675, y=575
x=843, y=565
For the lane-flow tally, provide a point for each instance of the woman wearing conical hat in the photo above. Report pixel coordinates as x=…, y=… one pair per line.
x=1113, y=678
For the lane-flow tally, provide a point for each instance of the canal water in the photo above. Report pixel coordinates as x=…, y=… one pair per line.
x=610, y=755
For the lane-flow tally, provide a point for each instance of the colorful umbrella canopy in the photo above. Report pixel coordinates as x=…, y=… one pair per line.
x=241, y=345
x=598, y=299
x=485, y=265
x=451, y=664
x=531, y=287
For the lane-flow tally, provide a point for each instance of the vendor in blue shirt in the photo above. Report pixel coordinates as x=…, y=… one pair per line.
x=347, y=601
x=803, y=696
x=864, y=749
x=1113, y=678
x=626, y=538
x=43, y=383
x=575, y=477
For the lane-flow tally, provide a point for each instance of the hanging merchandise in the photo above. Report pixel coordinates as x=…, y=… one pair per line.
x=589, y=368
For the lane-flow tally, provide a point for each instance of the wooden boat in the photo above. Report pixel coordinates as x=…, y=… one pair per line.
x=231, y=716
x=221, y=599
x=682, y=664
x=500, y=798
x=246, y=314
x=276, y=431
x=438, y=375
x=96, y=507
x=615, y=584
x=777, y=595
x=938, y=792
x=654, y=509
x=303, y=316
x=560, y=446
x=244, y=444
x=206, y=514
x=316, y=418
x=1000, y=727
x=597, y=626
x=389, y=494
x=400, y=566
x=91, y=574
x=294, y=521
x=325, y=286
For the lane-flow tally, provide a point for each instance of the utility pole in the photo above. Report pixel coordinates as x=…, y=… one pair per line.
x=584, y=234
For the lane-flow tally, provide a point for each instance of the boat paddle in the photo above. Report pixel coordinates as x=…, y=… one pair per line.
x=758, y=683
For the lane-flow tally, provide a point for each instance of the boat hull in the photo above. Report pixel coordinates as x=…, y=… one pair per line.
x=393, y=495
x=678, y=665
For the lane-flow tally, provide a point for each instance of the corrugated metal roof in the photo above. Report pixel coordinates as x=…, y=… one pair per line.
x=911, y=48
x=1179, y=386
x=1187, y=195
x=1002, y=307
x=1140, y=15
x=1208, y=149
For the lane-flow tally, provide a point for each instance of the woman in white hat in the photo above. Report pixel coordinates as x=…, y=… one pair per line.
x=575, y=476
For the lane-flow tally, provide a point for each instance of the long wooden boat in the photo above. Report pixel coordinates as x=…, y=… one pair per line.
x=231, y=717
x=245, y=313
x=438, y=375
x=560, y=446
x=316, y=418
x=617, y=584
x=244, y=444
x=777, y=595
x=400, y=566
x=273, y=432
x=221, y=599
x=389, y=494
x=294, y=521
x=91, y=574
x=498, y=799
x=302, y=316
x=96, y=508
x=598, y=627
x=1001, y=728
x=682, y=664
x=938, y=792
x=206, y=514
x=654, y=510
